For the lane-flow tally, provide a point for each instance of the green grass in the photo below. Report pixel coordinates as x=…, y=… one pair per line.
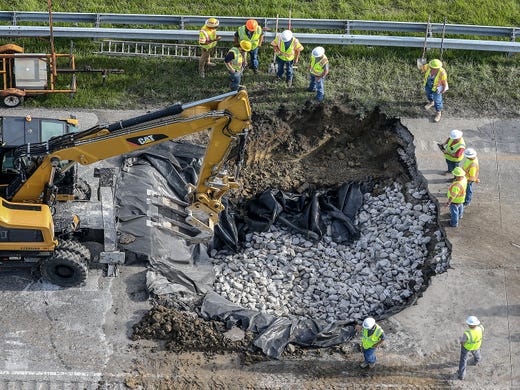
x=480, y=82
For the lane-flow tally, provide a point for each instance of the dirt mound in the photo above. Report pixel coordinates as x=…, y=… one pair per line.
x=322, y=146
x=184, y=331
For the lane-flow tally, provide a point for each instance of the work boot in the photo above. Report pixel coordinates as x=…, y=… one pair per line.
x=429, y=105
x=371, y=365
x=202, y=75
x=255, y=71
x=363, y=365
x=437, y=116
x=211, y=64
x=289, y=83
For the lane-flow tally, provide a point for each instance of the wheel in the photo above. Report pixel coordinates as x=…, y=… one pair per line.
x=12, y=100
x=64, y=268
x=76, y=247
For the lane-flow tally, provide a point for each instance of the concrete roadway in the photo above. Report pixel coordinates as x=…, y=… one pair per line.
x=484, y=278
x=78, y=336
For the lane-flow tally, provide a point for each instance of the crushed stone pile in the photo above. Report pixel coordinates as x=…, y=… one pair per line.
x=283, y=273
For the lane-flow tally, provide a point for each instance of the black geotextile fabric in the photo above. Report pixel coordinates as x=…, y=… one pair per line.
x=179, y=267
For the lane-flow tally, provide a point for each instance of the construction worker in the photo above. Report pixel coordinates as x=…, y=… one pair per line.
x=453, y=149
x=287, y=49
x=208, y=39
x=471, y=168
x=235, y=61
x=470, y=341
x=371, y=337
x=456, y=195
x=435, y=84
x=251, y=32
x=319, y=68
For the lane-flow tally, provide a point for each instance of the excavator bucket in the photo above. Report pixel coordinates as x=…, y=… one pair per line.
x=171, y=214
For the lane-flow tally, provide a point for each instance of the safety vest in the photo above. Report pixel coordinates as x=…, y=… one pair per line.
x=287, y=53
x=441, y=76
x=369, y=341
x=457, y=191
x=474, y=338
x=317, y=68
x=238, y=61
x=452, y=147
x=207, y=34
x=471, y=168
x=255, y=38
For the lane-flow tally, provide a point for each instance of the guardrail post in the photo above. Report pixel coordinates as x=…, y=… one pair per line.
x=347, y=28
x=98, y=20
x=512, y=39
x=14, y=18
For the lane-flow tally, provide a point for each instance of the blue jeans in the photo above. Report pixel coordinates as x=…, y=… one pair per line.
x=464, y=359
x=235, y=80
x=288, y=65
x=469, y=193
x=434, y=97
x=253, y=54
x=456, y=212
x=370, y=355
x=318, y=86
x=452, y=165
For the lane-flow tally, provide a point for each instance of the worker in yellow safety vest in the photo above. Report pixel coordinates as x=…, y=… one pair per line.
x=235, y=61
x=253, y=33
x=372, y=336
x=435, y=82
x=287, y=48
x=471, y=168
x=453, y=150
x=470, y=341
x=319, y=68
x=456, y=196
x=208, y=39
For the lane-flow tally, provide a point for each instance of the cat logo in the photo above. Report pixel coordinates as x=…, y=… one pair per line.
x=146, y=139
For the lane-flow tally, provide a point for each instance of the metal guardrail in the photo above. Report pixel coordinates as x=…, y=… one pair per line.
x=183, y=21
x=320, y=39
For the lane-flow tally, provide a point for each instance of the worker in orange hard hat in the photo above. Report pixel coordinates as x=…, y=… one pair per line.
x=252, y=32
x=208, y=39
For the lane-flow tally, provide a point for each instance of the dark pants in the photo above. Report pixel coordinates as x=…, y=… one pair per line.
x=287, y=66
x=464, y=360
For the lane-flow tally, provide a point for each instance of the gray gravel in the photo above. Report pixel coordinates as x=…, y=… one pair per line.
x=283, y=273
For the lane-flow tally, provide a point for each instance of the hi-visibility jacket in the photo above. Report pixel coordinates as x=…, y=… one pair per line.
x=452, y=147
x=471, y=168
x=474, y=338
x=255, y=38
x=287, y=53
x=457, y=191
x=207, y=37
x=369, y=341
x=317, y=68
x=441, y=78
x=238, y=62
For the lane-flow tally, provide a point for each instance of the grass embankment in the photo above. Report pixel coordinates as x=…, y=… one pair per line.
x=480, y=83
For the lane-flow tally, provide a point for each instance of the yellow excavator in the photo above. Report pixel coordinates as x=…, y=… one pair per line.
x=30, y=175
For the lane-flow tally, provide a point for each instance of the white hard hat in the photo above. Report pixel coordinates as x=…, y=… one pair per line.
x=369, y=323
x=470, y=153
x=318, y=51
x=472, y=320
x=456, y=134
x=287, y=35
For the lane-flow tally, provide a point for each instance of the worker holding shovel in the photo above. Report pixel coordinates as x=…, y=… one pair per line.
x=435, y=83
x=287, y=49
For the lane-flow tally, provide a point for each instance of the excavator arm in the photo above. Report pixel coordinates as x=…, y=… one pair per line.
x=227, y=116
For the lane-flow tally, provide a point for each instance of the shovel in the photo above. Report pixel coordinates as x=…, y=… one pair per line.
x=273, y=66
x=422, y=61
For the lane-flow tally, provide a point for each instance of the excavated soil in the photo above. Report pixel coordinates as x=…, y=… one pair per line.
x=318, y=147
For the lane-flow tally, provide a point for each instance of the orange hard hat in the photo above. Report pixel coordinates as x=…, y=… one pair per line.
x=251, y=25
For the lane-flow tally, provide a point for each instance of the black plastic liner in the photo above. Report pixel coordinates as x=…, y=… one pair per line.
x=177, y=267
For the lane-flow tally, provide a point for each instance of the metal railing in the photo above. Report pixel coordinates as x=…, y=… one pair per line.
x=347, y=28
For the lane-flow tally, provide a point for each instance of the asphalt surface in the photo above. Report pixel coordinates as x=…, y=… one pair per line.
x=78, y=337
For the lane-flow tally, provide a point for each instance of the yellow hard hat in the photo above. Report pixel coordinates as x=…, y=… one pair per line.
x=435, y=64
x=245, y=45
x=458, y=171
x=212, y=22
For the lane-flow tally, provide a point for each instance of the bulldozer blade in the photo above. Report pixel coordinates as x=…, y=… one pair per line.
x=171, y=214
